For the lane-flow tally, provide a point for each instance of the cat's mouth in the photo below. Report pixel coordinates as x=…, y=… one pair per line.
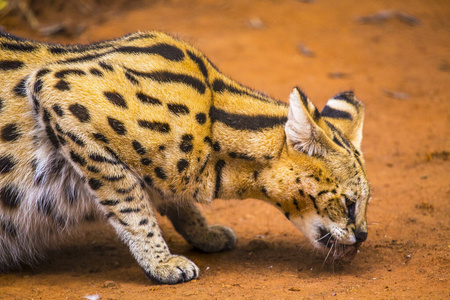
x=343, y=253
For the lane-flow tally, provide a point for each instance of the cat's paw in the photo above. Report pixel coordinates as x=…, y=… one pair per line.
x=174, y=269
x=217, y=238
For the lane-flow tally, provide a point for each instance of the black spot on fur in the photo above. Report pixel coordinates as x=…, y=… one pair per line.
x=46, y=116
x=202, y=169
x=219, y=87
x=264, y=191
x=63, y=73
x=150, y=234
x=9, y=196
x=138, y=148
x=148, y=99
x=186, y=143
x=129, y=199
x=58, y=110
x=81, y=112
x=117, y=126
x=286, y=214
x=131, y=78
x=113, y=178
x=1, y=104
x=105, y=66
x=20, y=89
x=109, y=202
x=116, y=99
x=178, y=109
x=148, y=180
x=62, y=85
x=42, y=72
x=129, y=210
x=75, y=139
x=143, y=222
x=95, y=72
x=38, y=85
x=6, y=65
x=52, y=136
x=6, y=164
x=77, y=158
x=162, y=148
x=100, y=137
x=102, y=159
x=10, y=132
x=160, y=173
x=182, y=164
x=243, y=156
x=35, y=103
x=95, y=184
x=201, y=118
x=216, y=146
x=146, y=161
x=93, y=169
x=156, y=126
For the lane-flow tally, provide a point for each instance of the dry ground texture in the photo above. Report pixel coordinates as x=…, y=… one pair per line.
x=396, y=59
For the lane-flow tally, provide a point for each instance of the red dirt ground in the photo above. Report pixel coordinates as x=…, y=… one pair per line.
x=406, y=146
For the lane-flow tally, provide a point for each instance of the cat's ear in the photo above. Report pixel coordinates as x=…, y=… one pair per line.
x=346, y=113
x=302, y=129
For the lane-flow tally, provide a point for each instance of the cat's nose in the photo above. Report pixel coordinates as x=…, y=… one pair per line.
x=360, y=236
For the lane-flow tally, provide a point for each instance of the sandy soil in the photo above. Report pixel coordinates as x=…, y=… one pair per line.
x=401, y=71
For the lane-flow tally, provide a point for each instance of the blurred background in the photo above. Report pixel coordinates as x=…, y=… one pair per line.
x=395, y=55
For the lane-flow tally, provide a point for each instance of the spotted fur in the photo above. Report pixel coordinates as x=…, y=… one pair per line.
x=114, y=130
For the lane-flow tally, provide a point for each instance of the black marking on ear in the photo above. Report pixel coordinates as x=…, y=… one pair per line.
x=316, y=115
x=77, y=158
x=139, y=148
x=178, y=109
x=20, y=89
x=63, y=73
x=6, y=65
x=117, y=126
x=7, y=163
x=95, y=184
x=62, y=85
x=303, y=96
x=9, y=196
x=10, y=132
x=100, y=137
x=148, y=99
x=156, y=126
x=116, y=99
x=330, y=112
x=243, y=156
x=18, y=47
x=167, y=51
x=169, y=77
x=349, y=97
x=245, y=122
x=200, y=64
x=220, y=164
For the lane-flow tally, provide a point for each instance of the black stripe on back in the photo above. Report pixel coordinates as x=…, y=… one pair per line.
x=169, y=77
x=219, y=87
x=330, y=112
x=245, y=122
x=200, y=64
x=10, y=64
x=18, y=47
x=218, y=168
x=167, y=51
